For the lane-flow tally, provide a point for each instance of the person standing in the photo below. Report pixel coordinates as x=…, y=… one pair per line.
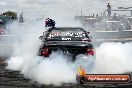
x=109, y=9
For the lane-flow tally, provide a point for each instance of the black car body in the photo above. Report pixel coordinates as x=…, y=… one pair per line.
x=71, y=41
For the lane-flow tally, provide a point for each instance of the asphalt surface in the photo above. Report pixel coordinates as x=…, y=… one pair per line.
x=13, y=79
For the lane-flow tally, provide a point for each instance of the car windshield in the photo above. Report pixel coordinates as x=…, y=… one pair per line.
x=67, y=34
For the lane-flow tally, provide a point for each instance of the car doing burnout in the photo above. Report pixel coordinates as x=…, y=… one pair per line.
x=71, y=41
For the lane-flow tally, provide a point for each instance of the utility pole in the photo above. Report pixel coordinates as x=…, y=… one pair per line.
x=81, y=12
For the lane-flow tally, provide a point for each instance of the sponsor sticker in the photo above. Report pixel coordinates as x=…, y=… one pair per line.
x=108, y=78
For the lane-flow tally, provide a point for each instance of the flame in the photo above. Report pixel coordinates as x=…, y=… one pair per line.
x=81, y=71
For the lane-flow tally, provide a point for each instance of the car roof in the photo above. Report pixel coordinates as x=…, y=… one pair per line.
x=69, y=28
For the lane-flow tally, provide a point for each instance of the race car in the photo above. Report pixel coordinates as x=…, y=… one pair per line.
x=70, y=40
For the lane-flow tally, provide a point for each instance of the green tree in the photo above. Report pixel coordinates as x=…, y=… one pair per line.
x=12, y=15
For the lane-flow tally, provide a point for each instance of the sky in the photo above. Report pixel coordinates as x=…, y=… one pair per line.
x=71, y=4
x=71, y=7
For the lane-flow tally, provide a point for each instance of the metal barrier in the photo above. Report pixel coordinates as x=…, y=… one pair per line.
x=111, y=34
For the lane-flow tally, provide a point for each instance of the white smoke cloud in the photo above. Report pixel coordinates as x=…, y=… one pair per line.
x=113, y=58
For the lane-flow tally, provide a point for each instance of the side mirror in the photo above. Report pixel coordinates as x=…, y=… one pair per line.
x=41, y=37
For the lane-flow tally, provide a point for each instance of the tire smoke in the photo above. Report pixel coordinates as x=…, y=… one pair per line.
x=113, y=58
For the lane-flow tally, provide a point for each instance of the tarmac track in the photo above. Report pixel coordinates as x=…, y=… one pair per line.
x=13, y=79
